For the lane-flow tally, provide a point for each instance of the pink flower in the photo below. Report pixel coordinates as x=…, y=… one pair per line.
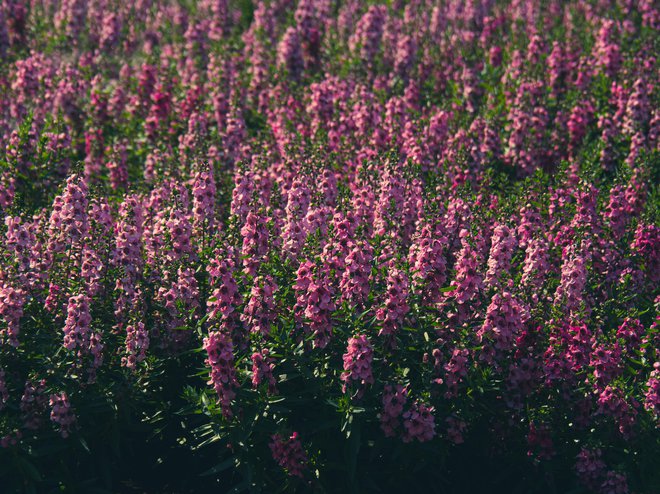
x=607, y=51
x=427, y=264
x=468, y=281
x=289, y=454
x=180, y=230
x=455, y=429
x=260, y=311
x=396, y=306
x=357, y=364
x=647, y=245
x=539, y=440
x=606, y=362
x=92, y=269
x=226, y=298
x=389, y=209
x=590, y=467
x=220, y=358
x=354, y=284
x=573, y=281
x=652, y=395
x=110, y=31
x=418, y=423
x=501, y=251
x=638, y=109
x=614, y=483
x=255, y=242
x=314, y=303
x=612, y=403
x=33, y=404
x=289, y=53
x=78, y=335
x=536, y=264
x=12, y=301
x=366, y=39
x=77, y=326
x=241, y=195
x=456, y=370
x=11, y=439
x=69, y=222
x=204, y=192
x=137, y=344
x=62, y=413
x=319, y=312
x=262, y=370
x=394, y=399
x=295, y=228
x=70, y=18
x=505, y=319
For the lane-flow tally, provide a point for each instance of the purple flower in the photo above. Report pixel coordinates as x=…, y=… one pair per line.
x=396, y=306
x=418, y=423
x=220, y=358
x=289, y=453
x=262, y=370
x=61, y=413
x=357, y=364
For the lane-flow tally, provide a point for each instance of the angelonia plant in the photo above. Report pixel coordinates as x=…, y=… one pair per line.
x=330, y=246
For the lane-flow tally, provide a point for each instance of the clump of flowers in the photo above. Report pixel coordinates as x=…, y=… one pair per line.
x=78, y=335
x=289, y=453
x=12, y=301
x=590, y=467
x=262, y=370
x=137, y=344
x=652, y=395
x=394, y=399
x=573, y=280
x=260, y=311
x=501, y=251
x=418, y=423
x=220, y=358
x=357, y=364
x=396, y=303
x=62, y=413
x=437, y=217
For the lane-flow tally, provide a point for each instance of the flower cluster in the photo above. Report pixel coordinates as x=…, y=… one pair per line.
x=418, y=423
x=262, y=370
x=62, y=413
x=394, y=399
x=396, y=307
x=220, y=358
x=137, y=344
x=289, y=453
x=371, y=222
x=357, y=363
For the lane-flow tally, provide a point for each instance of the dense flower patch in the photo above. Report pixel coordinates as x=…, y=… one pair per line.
x=329, y=245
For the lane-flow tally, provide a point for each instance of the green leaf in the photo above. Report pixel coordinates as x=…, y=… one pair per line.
x=29, y=469
x=221, y=467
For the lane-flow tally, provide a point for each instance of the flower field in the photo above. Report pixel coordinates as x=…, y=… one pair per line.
x=329, y=246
